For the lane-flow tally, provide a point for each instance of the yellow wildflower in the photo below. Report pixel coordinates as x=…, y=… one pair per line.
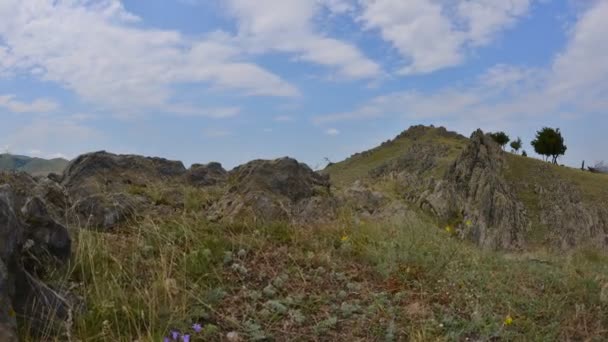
x=508, y=320
x=344, y=238
x=469, y=223
x=449, y=229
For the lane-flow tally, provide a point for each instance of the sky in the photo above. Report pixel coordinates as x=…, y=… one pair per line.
x=236, y=80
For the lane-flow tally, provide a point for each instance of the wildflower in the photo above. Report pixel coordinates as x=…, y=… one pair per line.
x=166, y=339
x=508, y=320
x=344, y=238
x=449, y=229
x=197, y=327
x=469, y=223
x=186, y=338
x=174, y=335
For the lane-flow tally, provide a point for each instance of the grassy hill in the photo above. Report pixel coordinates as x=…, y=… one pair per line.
x=428, y=152
x=33, y=166
x=360, y=165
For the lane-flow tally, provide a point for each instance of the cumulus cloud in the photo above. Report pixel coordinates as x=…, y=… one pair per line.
x=432, y=35
x=10, y=103
x=288, y=26
x=98, y=50
x=574, y=85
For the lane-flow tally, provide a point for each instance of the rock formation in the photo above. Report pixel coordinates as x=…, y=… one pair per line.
x=32, y=243
x=475, y=197
x=264, y=190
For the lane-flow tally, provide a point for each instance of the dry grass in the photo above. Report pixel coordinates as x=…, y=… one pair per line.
x=344, y=281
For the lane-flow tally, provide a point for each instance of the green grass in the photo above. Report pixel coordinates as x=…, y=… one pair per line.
x=359, y=166
x=527, y=173
x=344, y=281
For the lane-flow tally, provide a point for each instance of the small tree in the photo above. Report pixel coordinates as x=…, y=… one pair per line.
x=549, y=143
x=516, y=145
x=524, y=153
x=501, y=138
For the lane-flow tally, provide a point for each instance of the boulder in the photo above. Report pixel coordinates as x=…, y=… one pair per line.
x=103, y=172
x=206, y=175
x=269, y=190
x=106, y=211
x=24, y=248
x=285, y=177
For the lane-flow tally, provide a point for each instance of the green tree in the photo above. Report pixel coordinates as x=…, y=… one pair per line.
x=524, y=153
x=516, y=145
x=549, y=142
x=501, y=138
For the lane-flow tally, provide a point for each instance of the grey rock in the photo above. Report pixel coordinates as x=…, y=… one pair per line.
x=473, y=189
x=206, y=175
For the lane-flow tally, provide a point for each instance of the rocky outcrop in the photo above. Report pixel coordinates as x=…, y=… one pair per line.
x=32, y=243
x=476, y=199
x=571, y=220
x=268, y=190
x=103, y=172
x=100, y=186
x=206, y=175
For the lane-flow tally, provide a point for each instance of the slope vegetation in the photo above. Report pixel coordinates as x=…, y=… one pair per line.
x=33, y=166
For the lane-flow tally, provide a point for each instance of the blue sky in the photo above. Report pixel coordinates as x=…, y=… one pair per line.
x=235, y=80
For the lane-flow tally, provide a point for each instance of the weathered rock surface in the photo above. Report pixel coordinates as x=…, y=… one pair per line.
x=571, y=220
x=102, y=172
x=206, y=175
x=31, y=243
x=106, y=211
x=264, y=190
x=474, y=196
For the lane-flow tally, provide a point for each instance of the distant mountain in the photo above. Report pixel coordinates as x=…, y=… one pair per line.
x=33, y=166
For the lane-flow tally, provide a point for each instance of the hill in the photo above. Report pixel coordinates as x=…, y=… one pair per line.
x=33, y=166
x=430, y=237
x=554, y=205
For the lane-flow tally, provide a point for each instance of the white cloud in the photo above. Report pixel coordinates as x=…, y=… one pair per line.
x=575, y=85
x=36, y=106
x=332, y=132
x=98, y=50
x=287, y=26
x=432, y=35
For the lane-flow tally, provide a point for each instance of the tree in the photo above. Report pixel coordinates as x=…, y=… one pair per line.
x=516, y=145
x=549, y=143
x=524, y=153
x=501, y=138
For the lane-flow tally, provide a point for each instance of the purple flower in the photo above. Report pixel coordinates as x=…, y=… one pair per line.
x=166, y=339
x=186, y=338
x=197, y=327
x=174, y=335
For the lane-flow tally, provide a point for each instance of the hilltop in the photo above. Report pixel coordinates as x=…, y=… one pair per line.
x=430, y=236
x=33, y=166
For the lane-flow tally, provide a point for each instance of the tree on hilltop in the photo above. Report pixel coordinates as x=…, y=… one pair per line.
x=549, y=142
